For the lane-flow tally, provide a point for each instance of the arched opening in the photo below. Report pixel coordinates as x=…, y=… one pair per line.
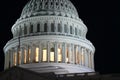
x=45, y=27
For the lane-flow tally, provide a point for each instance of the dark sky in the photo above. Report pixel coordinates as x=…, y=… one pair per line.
x=101, y=17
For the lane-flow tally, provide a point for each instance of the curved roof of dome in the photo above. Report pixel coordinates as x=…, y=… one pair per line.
x=49, y=7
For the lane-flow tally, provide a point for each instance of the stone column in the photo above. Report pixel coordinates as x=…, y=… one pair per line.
x=56, y=52
x=11, y=57
x=92, y=55
x=35, y=27
x=22, y=55
x=8, y=59
x=76, y=55
x=89, y=64
x=62, y=28
x=40, y=53
x=79, y=53
x=86, y=58
x=48, y=51
x=73, y=54
x=63, y=53
x=28, y=29
x=32, y=53
x=16, y=52
x=69, y=53
x=5, y=62
x=27, y=55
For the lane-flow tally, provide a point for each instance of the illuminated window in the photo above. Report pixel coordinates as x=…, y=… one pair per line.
x=25, y=56
x=67, y=59
x=52, y=54
x=44, y=54
x=59, y=55
x=15, y=58
x=37, y=55
x=19, y=58
x=29, y=53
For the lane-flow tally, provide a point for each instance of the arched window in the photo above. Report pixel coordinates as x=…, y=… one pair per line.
x=59, y=28
x=38, y=27
x=75, y=31
x=31, y=28
x=52, y=27
x=71, y=30
x=65, y=29
x=45, y=27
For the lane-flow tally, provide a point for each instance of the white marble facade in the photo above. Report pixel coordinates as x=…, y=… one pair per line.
x=50, y=32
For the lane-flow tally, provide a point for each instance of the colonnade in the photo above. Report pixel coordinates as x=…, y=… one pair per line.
x=49, y=52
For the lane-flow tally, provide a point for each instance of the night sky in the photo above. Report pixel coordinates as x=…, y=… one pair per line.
x=101, y=17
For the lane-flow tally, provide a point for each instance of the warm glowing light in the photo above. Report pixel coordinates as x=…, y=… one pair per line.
x=37, y=55
x=29, y=53
x=25, y=56
x=19, y=57
x=59, y=55
x=44, y=55
x=15, y=59
x=51, y=56
x=82, y=56
x=66, y=59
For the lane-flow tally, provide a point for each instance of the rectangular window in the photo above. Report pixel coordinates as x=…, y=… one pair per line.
x=44, y=54
x=37, y=55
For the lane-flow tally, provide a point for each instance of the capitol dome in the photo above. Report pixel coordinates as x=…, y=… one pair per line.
x=49, y=7
x=49, y=36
